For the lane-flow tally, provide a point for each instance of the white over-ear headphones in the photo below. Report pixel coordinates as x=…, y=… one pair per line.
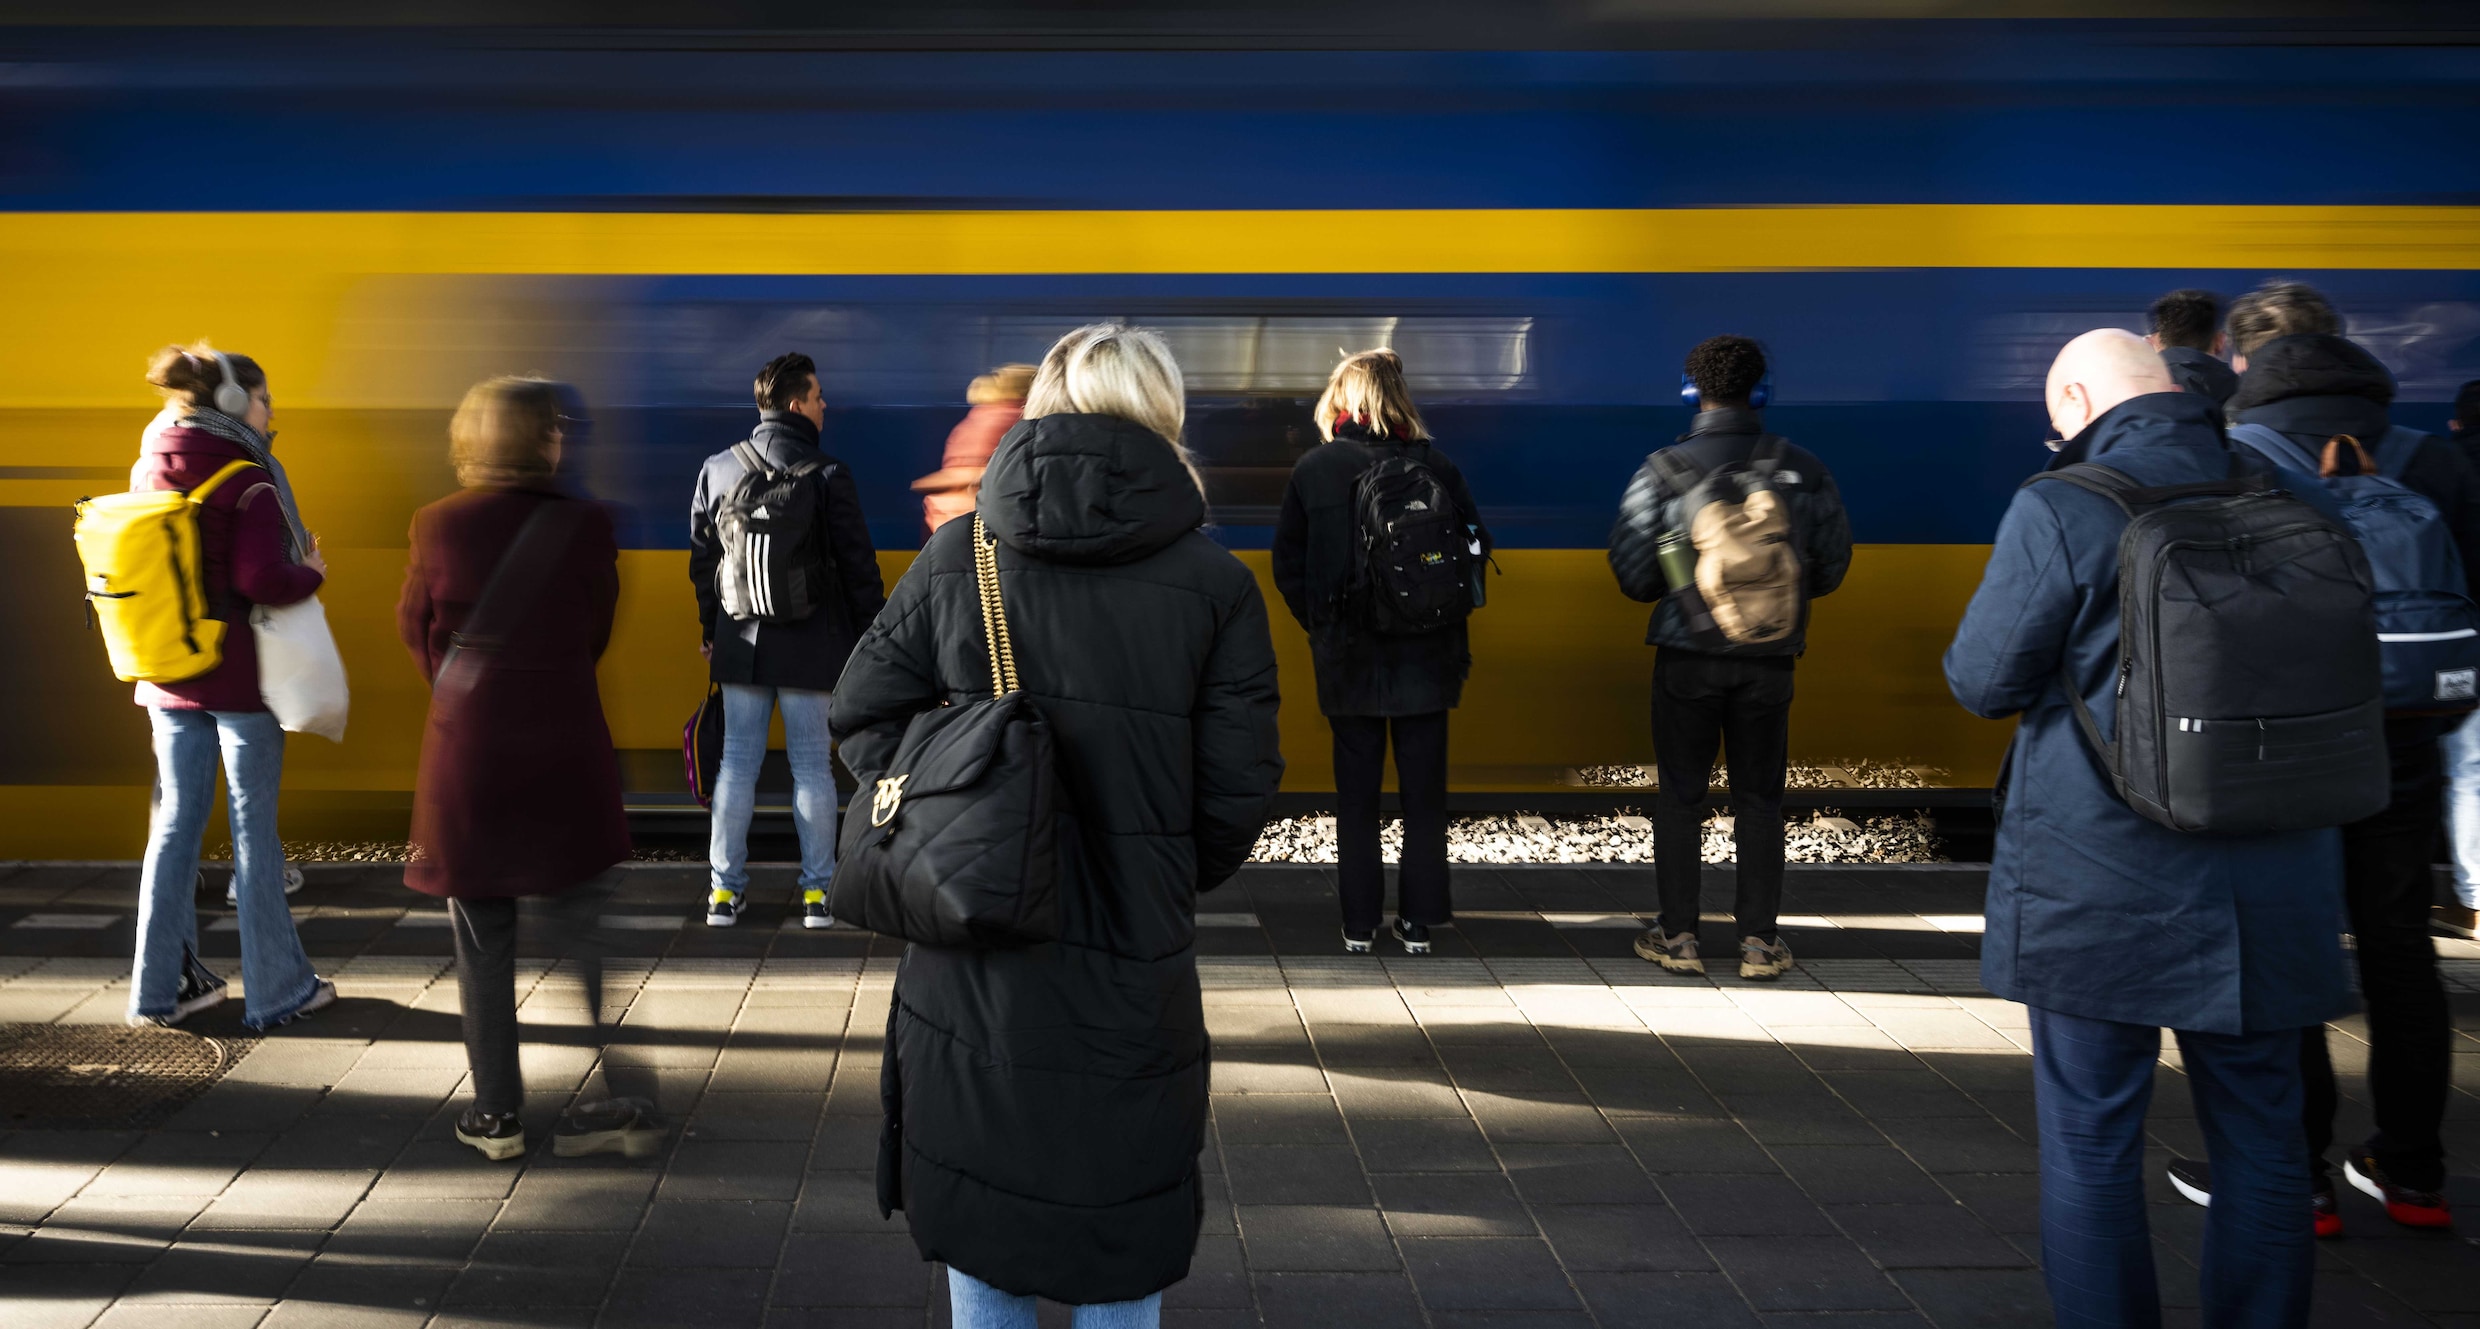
x=230, y=397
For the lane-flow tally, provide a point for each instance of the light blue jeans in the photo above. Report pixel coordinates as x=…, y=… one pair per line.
x=274, y=971
x=2463, y=809
x=974, y=1304
x=746, y=711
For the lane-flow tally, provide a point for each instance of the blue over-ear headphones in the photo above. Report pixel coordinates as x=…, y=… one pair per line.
x=1758, y=396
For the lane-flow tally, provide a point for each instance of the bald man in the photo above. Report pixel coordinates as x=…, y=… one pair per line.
x=2111, y=927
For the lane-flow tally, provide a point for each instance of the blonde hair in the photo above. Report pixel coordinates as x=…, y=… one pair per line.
x=1369, y=387
x=1007, y=383
x=1113, y=369
x=502, y=433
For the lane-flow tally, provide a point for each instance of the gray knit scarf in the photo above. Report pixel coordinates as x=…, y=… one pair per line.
x=261, y=450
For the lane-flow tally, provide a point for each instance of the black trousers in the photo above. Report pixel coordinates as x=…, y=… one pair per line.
x=1704, y=706
x=486, y=933
x=2386, y=886
x=1421, y=784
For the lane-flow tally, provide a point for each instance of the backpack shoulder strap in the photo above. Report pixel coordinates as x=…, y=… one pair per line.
x=212, y=482
x=809, y=468
x=750, y=457
x=2095, y=478
x=1676, y=471
x=2395, y=449
x=1770, y=451
x=2275, y=447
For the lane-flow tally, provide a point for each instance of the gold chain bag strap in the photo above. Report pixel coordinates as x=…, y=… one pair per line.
x=994, y=612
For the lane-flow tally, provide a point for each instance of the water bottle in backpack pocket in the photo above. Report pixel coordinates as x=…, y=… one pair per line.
x=2428, y=630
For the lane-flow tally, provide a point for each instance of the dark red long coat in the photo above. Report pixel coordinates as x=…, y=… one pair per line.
x=518, y=791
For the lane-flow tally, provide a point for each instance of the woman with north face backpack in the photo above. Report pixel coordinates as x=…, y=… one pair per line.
x=1383, y=581
x=253, y=550
x=1045, y=1101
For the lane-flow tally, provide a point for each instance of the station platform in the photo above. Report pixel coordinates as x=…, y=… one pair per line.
x=1529, y=1127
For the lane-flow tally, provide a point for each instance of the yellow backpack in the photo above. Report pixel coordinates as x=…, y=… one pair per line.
x=146, y=584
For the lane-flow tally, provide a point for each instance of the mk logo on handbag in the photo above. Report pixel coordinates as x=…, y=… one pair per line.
x=886, y=798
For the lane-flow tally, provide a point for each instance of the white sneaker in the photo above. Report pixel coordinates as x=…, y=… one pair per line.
x=232, y=889
x=723, y=907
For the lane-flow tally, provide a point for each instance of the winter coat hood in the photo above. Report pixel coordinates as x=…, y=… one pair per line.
x=2316, y=364
x=1075, y=488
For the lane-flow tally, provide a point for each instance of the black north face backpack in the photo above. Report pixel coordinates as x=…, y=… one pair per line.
x=775, y=566
x=2250, y=696
x=1412, y=570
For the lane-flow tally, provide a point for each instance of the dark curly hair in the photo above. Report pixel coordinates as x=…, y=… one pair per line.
x=2186, y=318
x=1726, y=369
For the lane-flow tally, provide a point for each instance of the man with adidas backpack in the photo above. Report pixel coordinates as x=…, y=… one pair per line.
x=1730, y=532
x=2186, y=638
x=787, y=581
x=2312, y=400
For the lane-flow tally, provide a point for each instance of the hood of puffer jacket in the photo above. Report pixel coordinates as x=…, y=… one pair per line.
x=2314, y=364
x=1088, y=489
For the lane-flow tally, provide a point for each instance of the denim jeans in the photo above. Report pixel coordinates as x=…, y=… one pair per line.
x=746, y=711
x=2462, y=753
x=974, y=1304
x=275, y=974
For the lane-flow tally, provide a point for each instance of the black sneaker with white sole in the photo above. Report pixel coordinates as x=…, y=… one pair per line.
x=629, y=1127
x=1358, y=943
x=499, y=1136
x=199, y=990
x=232, y=889
x=814, y=912
x=1414, y=937
x=723, y=907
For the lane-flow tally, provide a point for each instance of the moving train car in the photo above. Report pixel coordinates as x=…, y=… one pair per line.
x=1911, y=216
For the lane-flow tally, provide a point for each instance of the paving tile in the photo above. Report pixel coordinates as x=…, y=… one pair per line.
x=1304, y=1174
x=1423, y=1144
x=1508, y=1119
x=226, y=1267
x=1487, y=1273
x=1980, y=1298
x=852, y=1269
x=1964, y=1145
x=179, y=1163
x=1575, y=1319
x=1316, y=1238
x=1578, y=1174
x=663, y=1298
x=130, y=1229
x=413, y=1230
x=64, y=1296
x=711, y=1234
x=737, y=1170
x=1278, y=1119
x=735, y=1116
x=355, y=1290
x=1451, y=1204
x=1745, y=1206
x=1621, y=1238
x=1364, y=1301
x=845, y=1202
x=1925, y=1236
x=844, y=1144
x=273, y=1198
x=539, y=1269
x=1858, y=1174
x=1692, y=1144
x=158, y=1315
x=600, y=1197
x=1802, y=1273
x=1664, y=1301
x=2009, y=1203
x=1218, y=1278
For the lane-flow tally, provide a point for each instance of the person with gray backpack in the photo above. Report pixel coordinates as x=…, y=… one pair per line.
x=1729, y=532
x=2185, y=636
x=787, y=580
x=2312, y=400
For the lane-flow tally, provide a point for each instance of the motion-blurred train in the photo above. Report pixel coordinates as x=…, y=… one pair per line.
x=1912, y=216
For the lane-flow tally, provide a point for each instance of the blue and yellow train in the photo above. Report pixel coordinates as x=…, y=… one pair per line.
x=1912, y=217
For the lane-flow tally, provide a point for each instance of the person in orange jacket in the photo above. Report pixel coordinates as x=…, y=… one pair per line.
x=998, y=400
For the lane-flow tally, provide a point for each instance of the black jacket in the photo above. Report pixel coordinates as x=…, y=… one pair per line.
x=1649, y=508
x=1044, y=1107
x=808, y=653
x=2314, y=386
x=1360, y=672
x=2201, y=373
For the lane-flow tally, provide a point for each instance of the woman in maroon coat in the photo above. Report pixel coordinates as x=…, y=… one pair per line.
x=519, y=790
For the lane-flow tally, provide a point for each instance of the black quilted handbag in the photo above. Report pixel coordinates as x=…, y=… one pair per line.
x=958, y=842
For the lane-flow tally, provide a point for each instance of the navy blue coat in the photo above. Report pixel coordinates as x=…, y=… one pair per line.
x=2092, y=909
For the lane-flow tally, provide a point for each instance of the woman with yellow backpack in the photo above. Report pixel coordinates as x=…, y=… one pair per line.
x=172, y=583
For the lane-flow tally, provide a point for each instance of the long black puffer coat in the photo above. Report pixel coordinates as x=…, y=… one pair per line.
x=1045, y=1106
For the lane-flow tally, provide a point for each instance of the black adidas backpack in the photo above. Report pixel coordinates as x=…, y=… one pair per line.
x=2250, y=695
x=1412, y=568
x=775, y=567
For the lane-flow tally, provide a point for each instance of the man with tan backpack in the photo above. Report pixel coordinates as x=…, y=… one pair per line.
x=1729, y=533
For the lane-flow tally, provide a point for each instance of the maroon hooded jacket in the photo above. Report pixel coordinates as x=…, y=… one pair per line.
x=241, y=539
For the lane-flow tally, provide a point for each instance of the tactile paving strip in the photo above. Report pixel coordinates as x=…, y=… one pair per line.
x=105, y=1077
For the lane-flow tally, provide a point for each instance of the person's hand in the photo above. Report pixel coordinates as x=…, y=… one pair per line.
x=706, y=650
x=313, y=560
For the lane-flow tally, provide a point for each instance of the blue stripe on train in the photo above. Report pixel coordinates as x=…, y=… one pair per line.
x=1979, y=113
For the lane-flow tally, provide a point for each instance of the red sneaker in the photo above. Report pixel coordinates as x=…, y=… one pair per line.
x=2402, y=1204
x=2321, y=1204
